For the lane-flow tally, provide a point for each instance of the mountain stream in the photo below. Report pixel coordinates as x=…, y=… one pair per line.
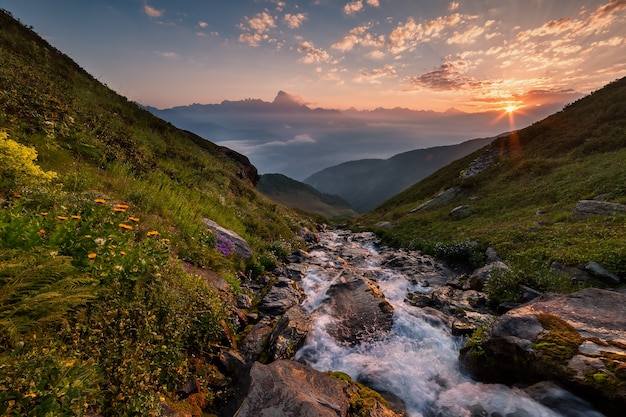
x=417, y=360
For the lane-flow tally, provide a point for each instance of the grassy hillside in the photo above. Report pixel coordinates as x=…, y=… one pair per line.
x=105, y=264
x=367, y=183
x=297, y=195
x=522, y=204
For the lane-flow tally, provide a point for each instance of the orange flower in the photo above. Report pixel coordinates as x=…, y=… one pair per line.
x=119, y=210
x=134, y=219
x=76, y=217
x=88, y=236
x=122, y=206
x=62, y=217
x=45, y=213
x=153, y=233
x=126, y=226
x=99, y=200
x=41, y=232
x=92, y=255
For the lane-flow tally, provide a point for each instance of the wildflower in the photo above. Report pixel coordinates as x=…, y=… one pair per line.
x=122, y=206
x=62, y=218
x=225, y=246
x=45, y=213
x=126, y=226
x=70, y=363
x=122, y=253
x=99, y=201
x=92, y=255
x=134, y=219
x=166, y=241
x=87, y=236
x=99, y=241
x=153, y=233
x=119, y=210
x=41, y=232
x=76, y=217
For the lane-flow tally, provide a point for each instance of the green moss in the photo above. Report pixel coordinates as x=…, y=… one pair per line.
x=362, y=398
x=561, y=341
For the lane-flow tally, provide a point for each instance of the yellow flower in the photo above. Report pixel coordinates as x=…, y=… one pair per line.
x=134, y=219
x=70, y=363
x=126, y=226
x=62, y=217
x=88, y=236
x=41, y=232
x=99, y=200
x=76, y=217
x=92, y=255
x=119, y=210
x=153, y=233
x=122, y=206
x=122, y=253
x=45, y=213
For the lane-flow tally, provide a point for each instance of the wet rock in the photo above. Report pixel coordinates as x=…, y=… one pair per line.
x=291, y=389
x=360, y=309
x=562, y=401
x=253, y=344
x=576, y=340
x=297, y=256
x=295, y=272
x=282, y=296
x=290, y=333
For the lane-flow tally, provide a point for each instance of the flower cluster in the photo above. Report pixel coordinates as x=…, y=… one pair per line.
x=224, y=245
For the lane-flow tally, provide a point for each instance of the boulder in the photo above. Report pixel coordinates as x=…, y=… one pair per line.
x=461, y=212
x=586, y=208
x=291, y=389
x=280, y=298
x=290, y=333
x=442, y=198
x=576, y=340
x=602, y=274
x=480, y=276
x=253, y=344
x=359, y=308
x=241, y=247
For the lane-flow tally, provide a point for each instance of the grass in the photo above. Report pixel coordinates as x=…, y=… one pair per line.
x=523, y=203
x=97, y=311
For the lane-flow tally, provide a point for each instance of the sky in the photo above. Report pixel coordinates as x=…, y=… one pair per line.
x=472, y=55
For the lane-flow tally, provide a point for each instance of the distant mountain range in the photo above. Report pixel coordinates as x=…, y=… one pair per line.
x=367, y=183
x=293, y=138
x=297, y=195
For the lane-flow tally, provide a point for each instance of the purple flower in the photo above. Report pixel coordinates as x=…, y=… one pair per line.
x=225, y=245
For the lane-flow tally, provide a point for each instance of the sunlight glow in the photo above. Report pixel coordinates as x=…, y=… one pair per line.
x=511, y=108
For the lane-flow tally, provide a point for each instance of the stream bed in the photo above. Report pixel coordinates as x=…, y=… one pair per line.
x=417, y=360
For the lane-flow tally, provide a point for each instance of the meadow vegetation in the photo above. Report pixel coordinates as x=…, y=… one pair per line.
x=100, y=223
x=523, y=202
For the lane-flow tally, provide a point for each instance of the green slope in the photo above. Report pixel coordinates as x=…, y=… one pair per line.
x=523, y=202
x=297, y=195
x=105, y=269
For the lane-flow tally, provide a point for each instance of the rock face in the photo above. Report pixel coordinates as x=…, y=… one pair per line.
x=241, y=247
x=359, y=307
x=441, y=199
x=586, y=208
x=291, y=389
x=578, y=340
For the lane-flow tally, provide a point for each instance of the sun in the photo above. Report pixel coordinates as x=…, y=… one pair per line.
x=511, y=108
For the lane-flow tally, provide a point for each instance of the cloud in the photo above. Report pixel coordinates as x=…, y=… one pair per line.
x=467, y=37
x=374, y=76
x=312, y=54
x=256, y=29
x=168, y=55
x=151, y=11
x=354, y=7
x=203, y=24
x=449, y=76
x=453, y=6
x=359, y=36
x=406, y=36
x=294, y=21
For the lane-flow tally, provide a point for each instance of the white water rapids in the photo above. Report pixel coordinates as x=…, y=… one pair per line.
x=416, y=362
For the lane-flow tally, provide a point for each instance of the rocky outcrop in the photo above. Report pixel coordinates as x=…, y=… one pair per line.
x=239, y=244
x=359, y=307
x=577, y=340
x=291, y=389
x=280, y=298
x=290, y=333
x=586, y=208
x=247, y=171
x=442, y=198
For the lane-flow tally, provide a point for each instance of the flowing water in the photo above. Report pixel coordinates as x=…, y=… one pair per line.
x=417, y=362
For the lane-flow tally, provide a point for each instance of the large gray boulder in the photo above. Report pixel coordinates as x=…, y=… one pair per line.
x=586, y=208
x=240, y=246
x=577, y=340
x=359, y=308
x=291, y=389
